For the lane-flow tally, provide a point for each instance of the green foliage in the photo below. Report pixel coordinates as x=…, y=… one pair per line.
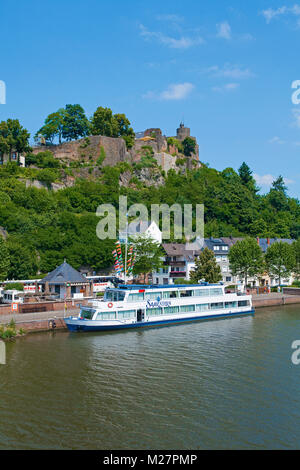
x=280, y=260
x=207, y=268
x=189, y=146
x=69, y=123
x=102, y=156
x=48, y=176
x=13, y=137
x=246, y=258
x=42, y=160
x=8, y=332
x=4, y=260
x=104, y=122
x=148, y=255
x=14, y=285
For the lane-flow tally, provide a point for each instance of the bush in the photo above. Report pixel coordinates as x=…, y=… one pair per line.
x=14, y=285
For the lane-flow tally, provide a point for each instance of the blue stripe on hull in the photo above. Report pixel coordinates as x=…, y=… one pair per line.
x=155, y=323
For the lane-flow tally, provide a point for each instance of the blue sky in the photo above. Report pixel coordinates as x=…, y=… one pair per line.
x=226, y=68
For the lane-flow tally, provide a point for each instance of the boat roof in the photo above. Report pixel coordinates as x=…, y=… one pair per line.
x=165, y=286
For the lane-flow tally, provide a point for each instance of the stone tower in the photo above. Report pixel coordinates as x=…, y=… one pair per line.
x=183, y=132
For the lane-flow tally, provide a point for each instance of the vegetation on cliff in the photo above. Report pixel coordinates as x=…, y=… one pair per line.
x=44, y=226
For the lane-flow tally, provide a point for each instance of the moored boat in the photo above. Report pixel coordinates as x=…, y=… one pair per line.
x=138, y=306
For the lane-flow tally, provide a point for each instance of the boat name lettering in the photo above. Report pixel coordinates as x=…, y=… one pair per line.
x=161, y=303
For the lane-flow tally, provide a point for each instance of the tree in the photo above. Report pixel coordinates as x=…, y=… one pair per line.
x=148, y=255
x=4, y=260
x=75, y=124
x=23, y=263
x=104, y=122
x=124, y=129
x=246, y=258
x=280, y=260
x=296, y=249
x=189, y=146
x=245, y=173
x=53, y=127
x=207, y=268
x=13, y=137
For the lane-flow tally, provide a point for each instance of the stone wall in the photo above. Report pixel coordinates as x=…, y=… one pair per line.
x=89, y=149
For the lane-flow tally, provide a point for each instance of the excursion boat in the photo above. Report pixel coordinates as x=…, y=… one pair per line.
x=136, y=306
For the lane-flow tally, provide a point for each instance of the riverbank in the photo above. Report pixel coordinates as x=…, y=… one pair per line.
x=43, y=321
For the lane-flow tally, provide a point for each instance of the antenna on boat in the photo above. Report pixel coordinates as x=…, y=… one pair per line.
x=126, y=247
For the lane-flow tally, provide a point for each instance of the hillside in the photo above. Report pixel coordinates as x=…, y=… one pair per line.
x=46, y=226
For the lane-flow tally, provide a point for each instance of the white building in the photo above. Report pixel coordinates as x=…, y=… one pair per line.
x=138, y=228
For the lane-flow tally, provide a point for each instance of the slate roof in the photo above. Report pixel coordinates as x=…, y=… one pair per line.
x=64, y=273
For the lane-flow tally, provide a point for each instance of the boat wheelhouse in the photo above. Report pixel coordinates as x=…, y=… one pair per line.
x=137, y=306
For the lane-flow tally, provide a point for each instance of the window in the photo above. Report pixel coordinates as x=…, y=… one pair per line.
x=107, y=316
x=225, y=248
x=87, y=314
x=202, y=307
x=171, y=309
x=154, y=311
x=243, y=303
x=186, y=293
x=114, y=296
x=202, y=292
x=216, y=291
x=127, y=315
x=171, y=294
x=153, y=295
x=136, y=297
x=230, y=304
x=228, y=279
x=187, y=308
x=217, y=305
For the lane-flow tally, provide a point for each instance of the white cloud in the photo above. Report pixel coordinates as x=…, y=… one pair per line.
x=224, y=30
x=177, y=91
x=271, y=13
x=174, y=43
x=229, y=71
x=226, y=87
x=267, y=180
x=276, y=140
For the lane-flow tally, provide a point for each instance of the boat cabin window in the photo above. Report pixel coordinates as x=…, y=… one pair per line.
x=154, y=311
x=153, y=295
x=171, y=309
x=187, y=308
x=202, y=292
x=243, y=303
x=186, y=293
x=216, y=291
x=217, y=305
x=171, y=294
x=230, y=304
x=114, y=296
x=87, y=314
x=127, y=315
x=106, y=316
x=202, y=307
x=136, y=297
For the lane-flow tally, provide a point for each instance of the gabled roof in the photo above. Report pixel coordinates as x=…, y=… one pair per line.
x=64, y=273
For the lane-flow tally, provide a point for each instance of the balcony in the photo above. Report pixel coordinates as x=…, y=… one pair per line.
x=178, y=274
x=174, y=264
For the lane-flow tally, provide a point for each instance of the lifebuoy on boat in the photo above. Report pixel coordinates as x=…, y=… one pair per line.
x=110, y=305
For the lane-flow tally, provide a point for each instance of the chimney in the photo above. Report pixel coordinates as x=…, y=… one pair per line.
x=257, y=240
x=268, y=241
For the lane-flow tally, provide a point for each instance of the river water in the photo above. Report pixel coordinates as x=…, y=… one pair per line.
x=226, y=384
